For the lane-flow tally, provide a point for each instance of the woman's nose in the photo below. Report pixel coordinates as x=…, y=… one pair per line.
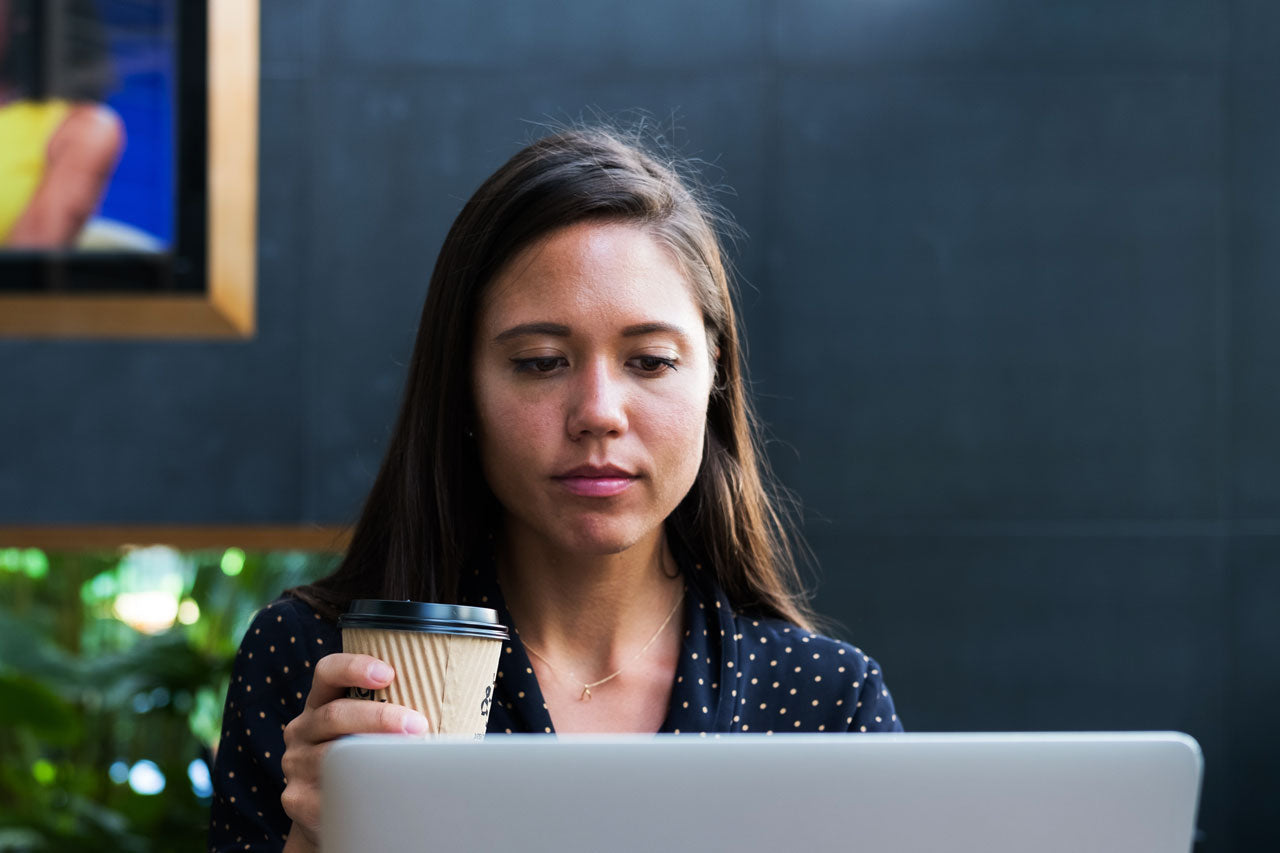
x=598, y=404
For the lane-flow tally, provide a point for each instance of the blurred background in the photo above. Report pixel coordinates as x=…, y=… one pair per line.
x=1005, y=292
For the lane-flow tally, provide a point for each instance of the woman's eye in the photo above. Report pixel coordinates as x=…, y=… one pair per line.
x=654, y=363
x=544, y=364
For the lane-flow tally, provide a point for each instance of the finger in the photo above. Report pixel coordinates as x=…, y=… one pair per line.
x=360, y=716
x=337, y=672
x=301, y=802
x=301, y=761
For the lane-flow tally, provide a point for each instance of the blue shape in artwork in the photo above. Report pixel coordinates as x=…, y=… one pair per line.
x=141, y=194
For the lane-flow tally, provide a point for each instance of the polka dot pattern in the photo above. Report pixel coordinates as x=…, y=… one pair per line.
x=737, y=673
x=270, y=680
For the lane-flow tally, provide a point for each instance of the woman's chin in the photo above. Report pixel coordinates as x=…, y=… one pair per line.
x=603, y=539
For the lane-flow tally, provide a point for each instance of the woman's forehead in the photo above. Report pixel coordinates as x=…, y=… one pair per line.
x=591, y=274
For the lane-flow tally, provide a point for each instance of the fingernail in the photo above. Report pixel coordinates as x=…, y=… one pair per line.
x=415, y=724
x=381, y=672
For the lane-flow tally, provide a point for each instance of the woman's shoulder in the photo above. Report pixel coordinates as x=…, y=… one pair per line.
x=286, y=607
x=796, y=679
x=291, y=626
x=777, y=650
x=796, y=645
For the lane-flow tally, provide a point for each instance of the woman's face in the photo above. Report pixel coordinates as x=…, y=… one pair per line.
x=592, y=374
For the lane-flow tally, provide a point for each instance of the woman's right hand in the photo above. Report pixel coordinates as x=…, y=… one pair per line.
x=329, y=715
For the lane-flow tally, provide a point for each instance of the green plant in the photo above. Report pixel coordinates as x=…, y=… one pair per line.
x=107, y=732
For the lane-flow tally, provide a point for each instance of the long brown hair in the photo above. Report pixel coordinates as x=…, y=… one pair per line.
x=429, y=513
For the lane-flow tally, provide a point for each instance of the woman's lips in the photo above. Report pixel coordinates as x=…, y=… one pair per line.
x=605, y=486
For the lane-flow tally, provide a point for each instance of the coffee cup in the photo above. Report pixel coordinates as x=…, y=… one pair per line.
x=445, y=657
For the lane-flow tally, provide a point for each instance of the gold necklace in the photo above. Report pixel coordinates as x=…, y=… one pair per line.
x=586, y=688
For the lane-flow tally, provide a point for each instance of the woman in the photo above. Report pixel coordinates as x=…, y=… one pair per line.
x=575, y=449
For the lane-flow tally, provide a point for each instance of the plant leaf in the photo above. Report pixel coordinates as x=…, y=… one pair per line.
x=27, y=704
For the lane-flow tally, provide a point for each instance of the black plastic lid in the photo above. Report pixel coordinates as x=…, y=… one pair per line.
x=422, y=616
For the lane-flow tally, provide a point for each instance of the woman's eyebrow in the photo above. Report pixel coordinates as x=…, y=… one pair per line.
x=652, y=328
x=554, y=329
x=559, y=330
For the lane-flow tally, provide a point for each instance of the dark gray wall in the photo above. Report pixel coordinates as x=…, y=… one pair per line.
x=1011, y=294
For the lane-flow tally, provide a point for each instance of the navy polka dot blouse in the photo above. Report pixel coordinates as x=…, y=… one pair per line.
x=736, y=674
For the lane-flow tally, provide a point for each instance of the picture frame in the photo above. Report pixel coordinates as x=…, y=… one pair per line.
x=207, y=286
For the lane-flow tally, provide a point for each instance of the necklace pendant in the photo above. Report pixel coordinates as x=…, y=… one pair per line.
x=586, y=694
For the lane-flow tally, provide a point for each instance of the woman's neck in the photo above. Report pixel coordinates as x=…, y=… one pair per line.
x=589, y=614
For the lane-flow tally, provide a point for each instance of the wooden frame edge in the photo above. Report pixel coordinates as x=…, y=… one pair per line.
x=228, y=309
x=112, y=537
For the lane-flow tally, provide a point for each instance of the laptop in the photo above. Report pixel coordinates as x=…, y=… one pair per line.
x=889, y=793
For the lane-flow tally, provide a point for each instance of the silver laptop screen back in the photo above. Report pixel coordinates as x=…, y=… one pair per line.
x=1051, y=793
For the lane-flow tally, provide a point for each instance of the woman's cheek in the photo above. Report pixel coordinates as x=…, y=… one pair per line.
x=676, y=429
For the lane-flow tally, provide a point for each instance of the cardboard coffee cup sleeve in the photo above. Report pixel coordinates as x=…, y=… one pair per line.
x=448, y=678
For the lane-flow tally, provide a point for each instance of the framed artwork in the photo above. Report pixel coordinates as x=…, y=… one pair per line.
x=128, y=168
